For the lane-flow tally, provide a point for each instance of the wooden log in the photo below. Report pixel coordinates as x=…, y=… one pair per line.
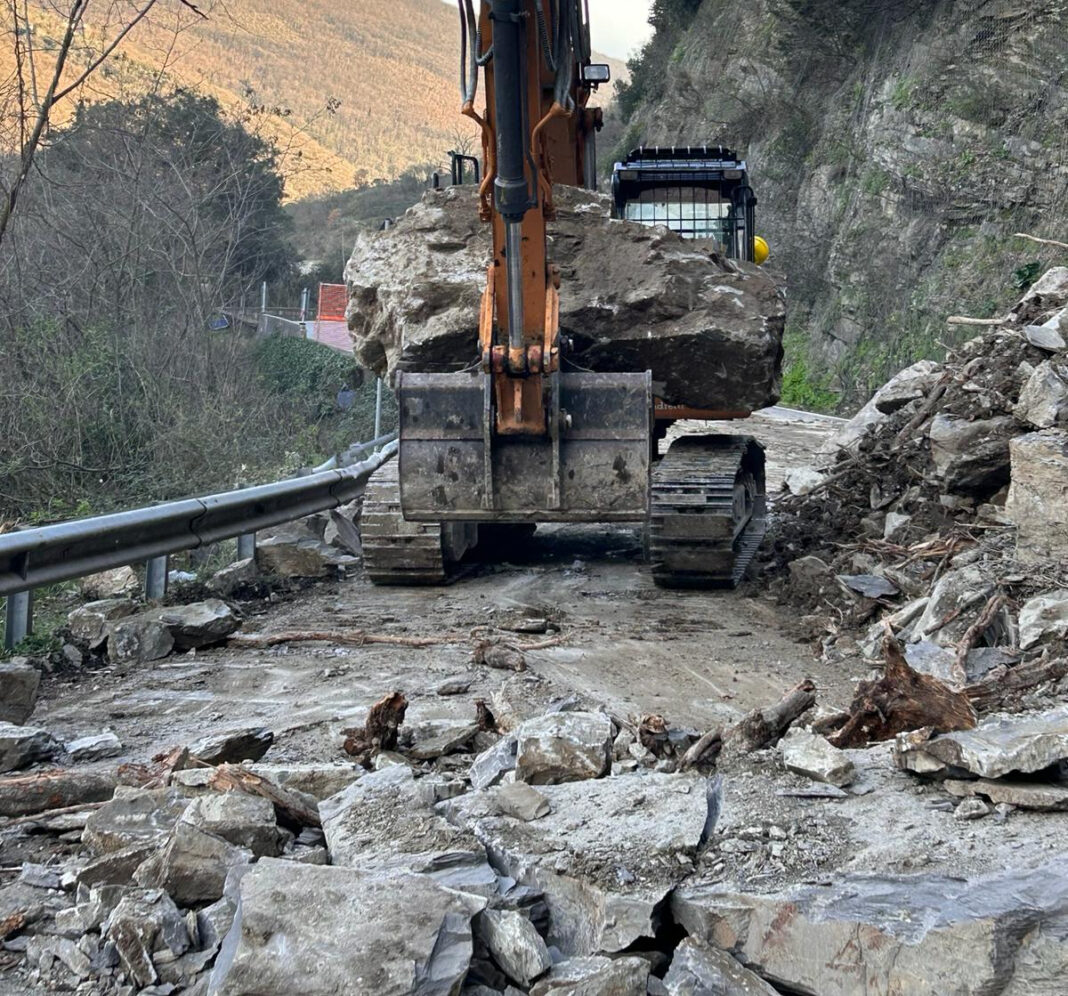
x=293, y=809
x=1002, y=686
x=379, y=732
x=1041, y=242
x=25, y=795
x=901, y=701
x=704, y=753
x=764, y=727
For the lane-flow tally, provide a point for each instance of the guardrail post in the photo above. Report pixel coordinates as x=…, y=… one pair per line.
x=18, y=619
x=246, y=546
x=378, y=409
x=156, y=577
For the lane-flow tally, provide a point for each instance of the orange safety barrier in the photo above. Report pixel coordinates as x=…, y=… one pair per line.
x=332, y=301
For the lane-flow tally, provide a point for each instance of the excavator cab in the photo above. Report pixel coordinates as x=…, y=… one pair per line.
x=701, y=192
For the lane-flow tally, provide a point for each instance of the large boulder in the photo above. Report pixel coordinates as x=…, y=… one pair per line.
x=139, y=639
x=596, y=976
x=1044, y=400
x=1039, y=489
x=1044, y=618
x=632, y=299
x=192, y=865
x=699, y=969
x=563, y=747
x=21, y=746
x=89, y=624
x=321, y=931
x=200, y=624
x=18, y=691
x=972, y=457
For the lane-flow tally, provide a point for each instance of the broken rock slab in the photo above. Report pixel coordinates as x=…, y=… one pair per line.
x=144, y=925
x=1044, y=619
x=21, y=746
x=437, y=738
x=200, y=624
x=234, y=577
x=972, y=457
x=89, y=624
x=605, y=856
x=95, y=748
x=521, y=801
x=515, y=944
x=116, y=583
x=998, y=746
x=1046, y=797
x=139, y=639
x=233, y=746
x=342, y=930
x=493, y=764
x=956, y=591
x=1044, y=399
x=134, y=817
x=633, y=298
x=699, y=969
x=564, y=747
x=192, y=865
x=814, y=757
x=246, y=821
x=19, y=682
x=1039, y=484
x=921, y=935
x=595, y=976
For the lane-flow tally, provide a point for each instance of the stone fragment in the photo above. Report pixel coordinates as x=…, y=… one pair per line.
x=938, y=662
x=88, y=624
x=520, y=697
x=246, y=821
x=139, y=639
x=340, y=930
x=235, y=577
x=804, y=480
x=95, y=748
x=869, y=586
x=812, y=756
x=1044, y=619
x=21, y=746
x=200, y=624
x=700, y=968
x=134, y=817
x=39, y=876
x=1046, y=797
x=515, y=945
x=232, y=746
x=636, y=299
x=298, y=551
x=1044, y=399
x=998, y=746
x=522, y=801
x=18, y=691
x=342, y=532
x=438, y=738
x=493, y=764
x=955, y=592
x=1039, y=484
x=972, y=457
x=454, y=686
x=143, y=923
x=896, y=527
x=563, y=747
x=972, y=809
x=809, y=571
x=595, y=976
x=1046, y=337
x=192, y=866
x=73, y=958
x=214, y=922
x=922, y=935
x=116, y=583
x=115, y=867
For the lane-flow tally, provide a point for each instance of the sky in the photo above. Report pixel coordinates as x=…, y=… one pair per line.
x=619, y=27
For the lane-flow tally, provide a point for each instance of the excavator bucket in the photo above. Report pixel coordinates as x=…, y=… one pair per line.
x=592, y=466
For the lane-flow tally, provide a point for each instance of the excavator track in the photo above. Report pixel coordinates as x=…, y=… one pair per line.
x=708, y=511
x=397, y=552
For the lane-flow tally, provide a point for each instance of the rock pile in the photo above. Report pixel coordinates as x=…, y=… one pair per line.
x=632, y=299
x=940, y=513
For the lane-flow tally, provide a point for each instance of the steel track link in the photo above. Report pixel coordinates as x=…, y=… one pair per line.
x=397, y=552
x=702, y=534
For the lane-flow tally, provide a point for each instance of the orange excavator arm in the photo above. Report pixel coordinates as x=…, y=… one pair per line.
x=536, y=131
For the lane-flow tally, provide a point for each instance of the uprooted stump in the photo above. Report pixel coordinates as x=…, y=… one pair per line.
x=379, y=733
x=764, y=727
x=901, y=701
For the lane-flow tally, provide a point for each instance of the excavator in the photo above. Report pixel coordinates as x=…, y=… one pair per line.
x=525, y=436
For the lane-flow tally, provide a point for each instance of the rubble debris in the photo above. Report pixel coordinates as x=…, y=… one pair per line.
x=923, y=935
x=900, y=701
x=19, y=681
x=522, y=801
x=139, y=639
x=1002, y=686
x=494, y=763
x=95, y=748
x=292, y=807
x=437, y=738
x=1045, y=797
x=1039, y=484
x=998, y=746
x=143, y=926
x=1044, y=617
x=116, y=583
x=344, y=930
x=200, y=624
x=89, y=624
x=134, y=817
x=379, y=732
x=636, y=299
x=595, y=976
x=231, y=746
x=234, y=578
x=21, y=746
x=563, y=747
x=972, y=809
x=812, y=756
x=971, y=457
x=698, y=967
x=115, y=867
x=246, y=821
x=869, y=585
x=298, y=550
x=515, y=945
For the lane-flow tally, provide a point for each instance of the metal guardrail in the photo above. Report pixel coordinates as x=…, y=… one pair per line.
x=30, y=558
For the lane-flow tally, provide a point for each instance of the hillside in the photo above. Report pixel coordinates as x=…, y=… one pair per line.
x=895, y=148
x=353, y=92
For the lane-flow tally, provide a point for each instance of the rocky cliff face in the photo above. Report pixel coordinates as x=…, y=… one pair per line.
x=896, y=146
